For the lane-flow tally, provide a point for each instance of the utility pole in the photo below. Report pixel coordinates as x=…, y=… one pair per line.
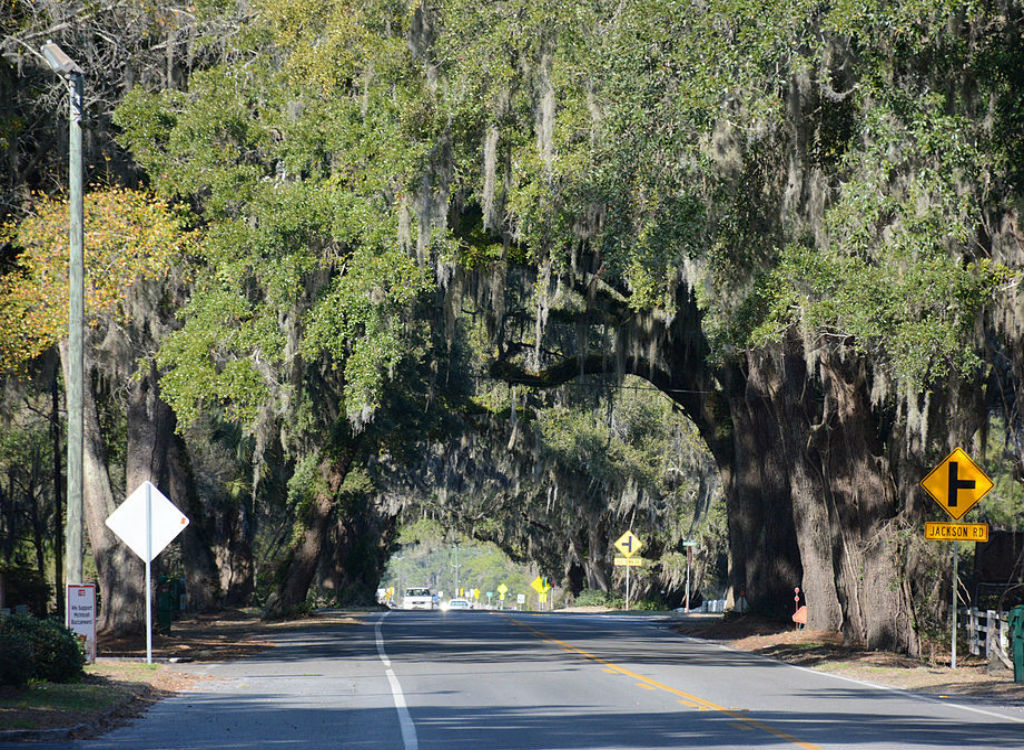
x=65, y=67
x=456, y=566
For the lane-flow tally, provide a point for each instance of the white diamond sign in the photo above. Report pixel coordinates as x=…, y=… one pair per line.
x=129, y=521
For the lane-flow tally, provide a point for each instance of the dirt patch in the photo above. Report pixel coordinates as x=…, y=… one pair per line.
x=216, y=637
x=825, y=651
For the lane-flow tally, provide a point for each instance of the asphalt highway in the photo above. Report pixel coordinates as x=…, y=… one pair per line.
x=522, y=681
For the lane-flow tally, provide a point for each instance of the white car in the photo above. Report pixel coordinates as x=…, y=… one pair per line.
x=418, y=598
x=459, y=604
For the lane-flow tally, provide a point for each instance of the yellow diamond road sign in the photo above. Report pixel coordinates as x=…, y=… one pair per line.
x=628, y=544
x=957, y=484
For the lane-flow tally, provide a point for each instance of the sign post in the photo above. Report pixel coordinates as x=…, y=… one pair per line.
x=629, y=544
x=689, y=544
x=956, y=484
x=147, y=522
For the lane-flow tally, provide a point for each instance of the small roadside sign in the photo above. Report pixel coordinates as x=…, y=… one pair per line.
x=81, y=615
x=956, y=484
x=540, y=585
x=628, y=544
x=957, y=532
x=520, y=598
x=629, y=562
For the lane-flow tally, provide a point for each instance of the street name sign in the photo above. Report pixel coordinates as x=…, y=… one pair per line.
x=628, y=544
x=957, y=532
x=629, y=562
x=956, y=484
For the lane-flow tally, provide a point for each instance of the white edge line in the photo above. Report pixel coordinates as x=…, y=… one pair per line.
x=405, y=722
x=380, y=641
x=901, y=691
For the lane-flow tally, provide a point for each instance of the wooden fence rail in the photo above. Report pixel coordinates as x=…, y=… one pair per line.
x=988, y=633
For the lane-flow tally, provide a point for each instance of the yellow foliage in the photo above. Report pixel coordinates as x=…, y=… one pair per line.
x=128, y=237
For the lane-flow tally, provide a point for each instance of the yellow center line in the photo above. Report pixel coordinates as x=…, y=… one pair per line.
x=700, y=703
x=645, y=686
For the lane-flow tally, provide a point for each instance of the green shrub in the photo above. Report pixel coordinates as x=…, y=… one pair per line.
x=598, y=598
x=648, y=605
x=16, y=665
x=56, y=654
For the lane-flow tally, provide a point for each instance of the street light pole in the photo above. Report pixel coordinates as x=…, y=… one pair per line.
x=65, y=67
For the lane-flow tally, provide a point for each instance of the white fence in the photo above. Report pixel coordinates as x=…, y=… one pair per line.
x=988, y=633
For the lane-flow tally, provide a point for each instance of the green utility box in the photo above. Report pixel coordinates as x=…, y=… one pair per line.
x=1017, y=638
x=165, y=603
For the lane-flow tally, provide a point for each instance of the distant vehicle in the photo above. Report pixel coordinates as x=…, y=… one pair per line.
x=418, y=598
x=459, y=604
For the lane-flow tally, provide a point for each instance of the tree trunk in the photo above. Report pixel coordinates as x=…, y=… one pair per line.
x=156, y=454
x=202, y=578
x=58, y=510
x=843, y=497
x=596, y=564
x=121, y=575
x=357, y=551
x=303, y=559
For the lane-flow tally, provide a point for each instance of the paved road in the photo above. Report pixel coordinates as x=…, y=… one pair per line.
x=489, y=681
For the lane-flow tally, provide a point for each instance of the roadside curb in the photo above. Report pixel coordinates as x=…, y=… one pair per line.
x=42, y=735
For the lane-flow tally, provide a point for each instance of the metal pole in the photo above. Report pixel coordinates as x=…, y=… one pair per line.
x=149, y=583
x=956, y=578
x=628, y=566
x=689, y=554
x=76, y=367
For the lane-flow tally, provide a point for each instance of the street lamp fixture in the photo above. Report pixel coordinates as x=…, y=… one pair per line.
x=65, y=67
x=58, y=60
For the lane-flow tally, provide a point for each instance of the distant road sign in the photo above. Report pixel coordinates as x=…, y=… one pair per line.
x=628, y=544
x=956, y=484
x=538, y=585
x=957, y=532
x=502, y=589
x=629, y=562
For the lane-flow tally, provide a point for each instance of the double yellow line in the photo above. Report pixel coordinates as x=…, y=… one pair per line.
x=687, y=699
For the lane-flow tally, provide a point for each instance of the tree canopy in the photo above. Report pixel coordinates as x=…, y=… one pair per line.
x=409, y=226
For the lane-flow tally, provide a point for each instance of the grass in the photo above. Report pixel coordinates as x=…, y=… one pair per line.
x=43, y=705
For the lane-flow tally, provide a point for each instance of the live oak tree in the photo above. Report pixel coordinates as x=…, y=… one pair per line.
x=797, y=221
x=133, y=244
